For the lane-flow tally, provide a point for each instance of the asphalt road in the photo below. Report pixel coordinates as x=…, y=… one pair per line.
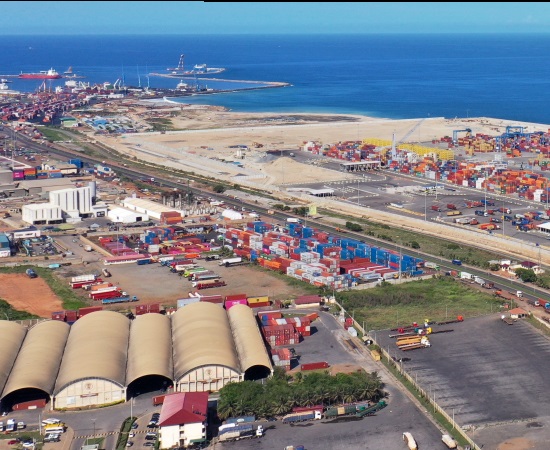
x=486, y=374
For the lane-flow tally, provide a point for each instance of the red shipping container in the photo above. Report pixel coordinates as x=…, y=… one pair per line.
x=60, y=315
x=32, y=404
x=83, y=311
x=315, y=366
x=153, y=308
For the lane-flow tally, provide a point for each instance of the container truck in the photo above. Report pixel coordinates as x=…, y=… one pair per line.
x=106, y=273
x=462, y=220
x=302, y=416
x=466, y=276
x=241, y=432
x=230, y=261
x=431, y=265
x=208, y=275
x=479, y=280
x=508, y=295
x=345, y=410
x=454, y=213
x=121, y=299
x=371, y=410
x=293, y=220
x=451, y=206
x=182, y=268
x=436, y=208
x=110, y=294
x=187, y=273
x=207, y=284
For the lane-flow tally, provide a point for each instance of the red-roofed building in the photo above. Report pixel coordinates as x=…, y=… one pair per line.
x=183, y=419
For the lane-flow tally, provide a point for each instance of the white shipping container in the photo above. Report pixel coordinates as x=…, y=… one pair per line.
x=352, y=331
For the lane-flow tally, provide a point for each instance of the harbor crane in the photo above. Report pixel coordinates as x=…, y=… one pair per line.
x=468, y=132
x=404, y=138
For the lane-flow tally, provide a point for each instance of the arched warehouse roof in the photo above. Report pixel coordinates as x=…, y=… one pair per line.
x=12, y=337
x=248, y=340
x=202, y=337
x=150, y=350
x=38, y=360
x=97, y=348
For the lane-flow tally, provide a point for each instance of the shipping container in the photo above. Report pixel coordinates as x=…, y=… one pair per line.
x=32, y=404
x=315, y=366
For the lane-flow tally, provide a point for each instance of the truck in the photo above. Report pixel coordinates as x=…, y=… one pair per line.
x=31, y=273
x=457, y=262
x=158, y=400
x=413, y=344
x=110, y=294
x=302, y=416
x=449, y=441
x=371, y=410
x=206, y=284
x=455, y=212
x=212, y=257
x=200, y=276
x=11, y=425
x=462, y=220
x=504, y=210
x=106, y=273
x=431, y=265
x=436, y=208
x=189, y=272
x=230, y=261
x=88, y=248
x=480, y=212
x=451, y=206
x=346, y=410
x=479, y=280
x=240, y=432
x=473, y=222
x=182, y=268
x=121, y=299
x=466, y=276
x=508, y=295
x=293, y=220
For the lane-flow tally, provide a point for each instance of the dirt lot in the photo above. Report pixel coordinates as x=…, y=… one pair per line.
x=153, y=283
x=33, y=296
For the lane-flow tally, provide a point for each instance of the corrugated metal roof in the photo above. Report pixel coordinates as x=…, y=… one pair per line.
x=248, y=339
x=97, y=348
x=146, y=204
x=38, y=360
x=150, y=350
x=202, y=337
x=12, y=337
x=48, y=182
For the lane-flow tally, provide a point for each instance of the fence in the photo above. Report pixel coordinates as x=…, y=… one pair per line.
x=416, y=386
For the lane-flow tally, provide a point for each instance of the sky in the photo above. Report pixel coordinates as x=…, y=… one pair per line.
x=159, y=17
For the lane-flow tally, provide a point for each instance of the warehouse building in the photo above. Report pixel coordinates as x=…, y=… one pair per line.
x=75, y=202
x=104, y=358
x=41, y=213
x=5, y=247
x=121, y=215
x=205, y=358
x=36, y=187
x=140, y=205
x=150, y=365
x=93, y=368
x=35, y=369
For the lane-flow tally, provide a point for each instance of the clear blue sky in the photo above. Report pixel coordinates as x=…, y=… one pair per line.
x=158, y=17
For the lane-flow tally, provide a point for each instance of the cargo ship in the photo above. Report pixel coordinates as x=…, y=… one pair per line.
x=198, y=69
x=42, y=75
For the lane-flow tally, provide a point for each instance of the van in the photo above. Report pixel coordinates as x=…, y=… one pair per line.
x=457, y=262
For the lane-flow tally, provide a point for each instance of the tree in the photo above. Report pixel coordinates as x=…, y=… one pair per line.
x=415, y=244
x=219, y=188
x=526, y=275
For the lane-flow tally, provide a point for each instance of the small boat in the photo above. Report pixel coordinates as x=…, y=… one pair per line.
x=42, y=75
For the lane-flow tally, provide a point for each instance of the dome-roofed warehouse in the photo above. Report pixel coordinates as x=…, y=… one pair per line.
x=13, y=335
x=253, y=357
x=93, y=368
x=35, y=370
x=205, y=358
x=150, y=365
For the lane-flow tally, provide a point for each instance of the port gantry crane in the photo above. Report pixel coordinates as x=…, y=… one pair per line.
x=468, y=132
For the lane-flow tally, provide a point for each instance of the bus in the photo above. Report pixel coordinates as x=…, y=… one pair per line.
x=57, y=428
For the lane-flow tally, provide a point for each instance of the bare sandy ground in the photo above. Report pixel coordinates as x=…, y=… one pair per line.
x=31, y=295
x=209, y=133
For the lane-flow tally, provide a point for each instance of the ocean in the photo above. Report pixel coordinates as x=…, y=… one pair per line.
x=387, y=76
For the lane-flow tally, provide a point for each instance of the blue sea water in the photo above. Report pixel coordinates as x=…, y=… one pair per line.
x=392, y=76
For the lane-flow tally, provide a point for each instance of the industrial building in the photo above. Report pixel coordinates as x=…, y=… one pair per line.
x=121, y=215
x=41, y=213
x=105, y=358
x=36, y=187
x=152, y=209
x=5, y=248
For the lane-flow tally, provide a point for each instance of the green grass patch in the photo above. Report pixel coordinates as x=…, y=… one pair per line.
x=94, y=441
x=71, y=301
x=53, y=134
x=124, y=430
x=439, y=298
x=292, y=282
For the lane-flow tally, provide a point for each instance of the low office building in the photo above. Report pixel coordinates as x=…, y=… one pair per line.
x=5, y=249
x=121, y=215
x=140, y=205
x=183, y=419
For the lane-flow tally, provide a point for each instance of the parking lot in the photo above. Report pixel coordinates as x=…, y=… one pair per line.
x=486, y=374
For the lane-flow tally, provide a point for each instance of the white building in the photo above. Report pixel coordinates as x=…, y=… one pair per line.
x=75, y=203
x=182, y=419
x=41, y=213
x=140, y=205
x=5, y=250
x=121, y=215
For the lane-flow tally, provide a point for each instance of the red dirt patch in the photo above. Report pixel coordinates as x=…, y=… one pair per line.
x=31, y=295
